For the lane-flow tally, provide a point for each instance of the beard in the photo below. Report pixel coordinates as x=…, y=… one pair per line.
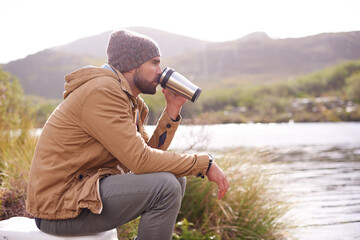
x=144, y=86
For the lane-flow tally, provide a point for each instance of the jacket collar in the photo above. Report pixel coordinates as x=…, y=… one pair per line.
x=123, y=82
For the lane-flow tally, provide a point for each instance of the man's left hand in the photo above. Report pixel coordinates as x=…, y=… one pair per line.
x=174, y=103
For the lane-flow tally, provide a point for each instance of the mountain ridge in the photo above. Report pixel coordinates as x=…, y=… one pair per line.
x=163, y=38
x=254, y=58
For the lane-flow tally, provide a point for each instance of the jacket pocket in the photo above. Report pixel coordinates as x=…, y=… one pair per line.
x=74, y=188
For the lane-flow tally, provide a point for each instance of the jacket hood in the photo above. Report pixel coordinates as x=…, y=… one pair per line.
x=79, y=77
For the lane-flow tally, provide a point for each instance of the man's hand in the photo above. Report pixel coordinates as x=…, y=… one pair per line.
x=215, y=174
x=174, y=103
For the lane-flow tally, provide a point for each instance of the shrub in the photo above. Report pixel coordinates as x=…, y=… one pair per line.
x=353, y=87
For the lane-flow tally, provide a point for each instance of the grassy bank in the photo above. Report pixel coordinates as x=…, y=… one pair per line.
x=252, y=208
x=15, y=157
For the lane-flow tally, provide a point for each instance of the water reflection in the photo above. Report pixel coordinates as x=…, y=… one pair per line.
x=325, y=187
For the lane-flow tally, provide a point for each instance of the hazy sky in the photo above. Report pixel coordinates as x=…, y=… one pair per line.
x=29, y=26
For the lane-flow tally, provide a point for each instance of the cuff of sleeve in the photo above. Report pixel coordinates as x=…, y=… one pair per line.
x=165, y=127
x=177, y=118
x=211, y=159
x=202, y=165
x=169, y=124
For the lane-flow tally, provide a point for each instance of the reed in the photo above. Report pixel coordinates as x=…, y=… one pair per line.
x=252, y=208
x=15, y=158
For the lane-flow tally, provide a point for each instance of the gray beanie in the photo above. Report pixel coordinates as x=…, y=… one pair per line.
x=128, y=50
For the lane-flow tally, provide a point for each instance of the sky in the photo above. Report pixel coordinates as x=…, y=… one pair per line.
x=29, y=26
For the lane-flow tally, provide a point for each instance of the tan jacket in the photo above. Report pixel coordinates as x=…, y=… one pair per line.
x=95, y=132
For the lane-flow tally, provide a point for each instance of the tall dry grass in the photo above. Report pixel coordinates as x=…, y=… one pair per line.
x=16, y=150
x=251, y=209
x=16, y=146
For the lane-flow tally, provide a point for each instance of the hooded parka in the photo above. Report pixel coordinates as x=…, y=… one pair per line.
x=98, y=131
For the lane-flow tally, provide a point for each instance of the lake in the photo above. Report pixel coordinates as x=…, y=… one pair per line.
x=318, y=164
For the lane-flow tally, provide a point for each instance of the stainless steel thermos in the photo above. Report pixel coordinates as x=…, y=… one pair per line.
x=177, y=83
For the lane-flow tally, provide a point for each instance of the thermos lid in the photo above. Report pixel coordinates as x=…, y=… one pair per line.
x=165, y=75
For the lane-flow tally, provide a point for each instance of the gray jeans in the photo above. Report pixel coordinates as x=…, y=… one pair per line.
x=156, y=197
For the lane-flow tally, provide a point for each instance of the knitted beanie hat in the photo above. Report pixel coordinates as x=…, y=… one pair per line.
x=127, y=50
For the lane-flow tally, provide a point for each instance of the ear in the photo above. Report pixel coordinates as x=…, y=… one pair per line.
x=129, y=73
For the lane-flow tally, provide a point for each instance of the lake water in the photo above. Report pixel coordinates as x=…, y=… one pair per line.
x=318, y=164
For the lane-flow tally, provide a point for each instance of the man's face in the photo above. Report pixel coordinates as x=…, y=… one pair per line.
x=146, y=76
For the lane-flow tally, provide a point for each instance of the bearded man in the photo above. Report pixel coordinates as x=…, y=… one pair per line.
x=95, y=168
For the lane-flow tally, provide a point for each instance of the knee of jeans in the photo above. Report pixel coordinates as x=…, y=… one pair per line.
x=172, y=185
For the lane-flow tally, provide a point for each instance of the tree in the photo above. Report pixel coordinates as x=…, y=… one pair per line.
x=14, y=112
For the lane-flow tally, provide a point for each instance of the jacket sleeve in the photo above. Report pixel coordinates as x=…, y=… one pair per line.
x=106, y=116
x=164, y=132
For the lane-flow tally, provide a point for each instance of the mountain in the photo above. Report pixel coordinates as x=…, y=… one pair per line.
x=82, y=46
x=170, y=44
x=256, y=36
x=257, y=57
x=253, y=58
x=42, y=74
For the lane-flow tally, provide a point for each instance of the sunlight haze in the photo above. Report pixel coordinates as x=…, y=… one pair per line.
x=31, y=26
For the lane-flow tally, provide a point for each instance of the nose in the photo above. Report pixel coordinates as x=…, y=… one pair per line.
x=158, y=70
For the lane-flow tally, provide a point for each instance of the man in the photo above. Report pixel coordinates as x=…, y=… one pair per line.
x=95, y=168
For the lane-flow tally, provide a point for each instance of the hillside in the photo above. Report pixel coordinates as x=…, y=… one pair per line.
x=170, y=44
x=255, y=58
x=268, y=59
x=42, y=74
